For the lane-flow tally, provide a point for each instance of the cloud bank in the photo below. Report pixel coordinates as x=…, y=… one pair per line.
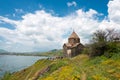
x=42, y=31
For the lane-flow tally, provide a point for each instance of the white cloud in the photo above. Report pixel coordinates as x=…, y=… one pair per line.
x=43, y=31
x=19, y=11
x=7, y=20
x=113, y=20
x=73, y=3
x=114, y=11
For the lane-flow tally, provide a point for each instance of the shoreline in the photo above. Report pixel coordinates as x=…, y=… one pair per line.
x=23, y=62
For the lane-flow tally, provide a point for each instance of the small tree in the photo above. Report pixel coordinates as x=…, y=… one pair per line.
x=103, y=42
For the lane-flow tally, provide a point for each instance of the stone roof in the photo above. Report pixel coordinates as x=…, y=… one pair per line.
x=74, y=35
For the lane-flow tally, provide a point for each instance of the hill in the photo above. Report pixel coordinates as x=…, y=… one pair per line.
x=80, y=67
x=51, y=53
x=2, y=51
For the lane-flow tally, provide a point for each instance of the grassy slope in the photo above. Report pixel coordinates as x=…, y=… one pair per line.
x=77, y=68
x=82, y=68
x=30, y=71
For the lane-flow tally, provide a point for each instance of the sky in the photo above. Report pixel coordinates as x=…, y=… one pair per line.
x=43, y=25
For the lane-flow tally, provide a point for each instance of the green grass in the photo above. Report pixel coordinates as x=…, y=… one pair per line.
x=80, y=67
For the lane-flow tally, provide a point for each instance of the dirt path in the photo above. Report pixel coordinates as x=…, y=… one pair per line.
x=40, y=72
x=29, y=73
x=27, y=77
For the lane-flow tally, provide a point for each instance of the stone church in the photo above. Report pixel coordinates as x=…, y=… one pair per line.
x=73, y=47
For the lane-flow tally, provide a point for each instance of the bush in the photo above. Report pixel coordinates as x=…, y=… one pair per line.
x=97, y=49
x=111, y=49
x=85, y=50
x=103, y=43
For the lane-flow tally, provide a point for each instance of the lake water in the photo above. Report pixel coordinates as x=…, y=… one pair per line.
x=14, y=63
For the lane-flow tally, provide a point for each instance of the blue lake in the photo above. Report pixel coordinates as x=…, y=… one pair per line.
x=14, y=63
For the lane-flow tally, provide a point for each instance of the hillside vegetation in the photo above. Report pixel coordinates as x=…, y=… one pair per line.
x=77, y=68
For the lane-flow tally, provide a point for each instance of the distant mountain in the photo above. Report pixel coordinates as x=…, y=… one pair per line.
x=53, y=50
x=2, y=51
x=51, y=53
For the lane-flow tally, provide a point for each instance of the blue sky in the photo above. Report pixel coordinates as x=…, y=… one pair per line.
x=7, y=7
x=36, y=25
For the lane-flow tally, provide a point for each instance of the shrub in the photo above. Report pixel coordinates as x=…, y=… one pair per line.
x=103, y=43
x=97, y=49
x=85, y=50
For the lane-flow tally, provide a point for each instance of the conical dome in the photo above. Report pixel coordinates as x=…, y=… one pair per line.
x=73, y=35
